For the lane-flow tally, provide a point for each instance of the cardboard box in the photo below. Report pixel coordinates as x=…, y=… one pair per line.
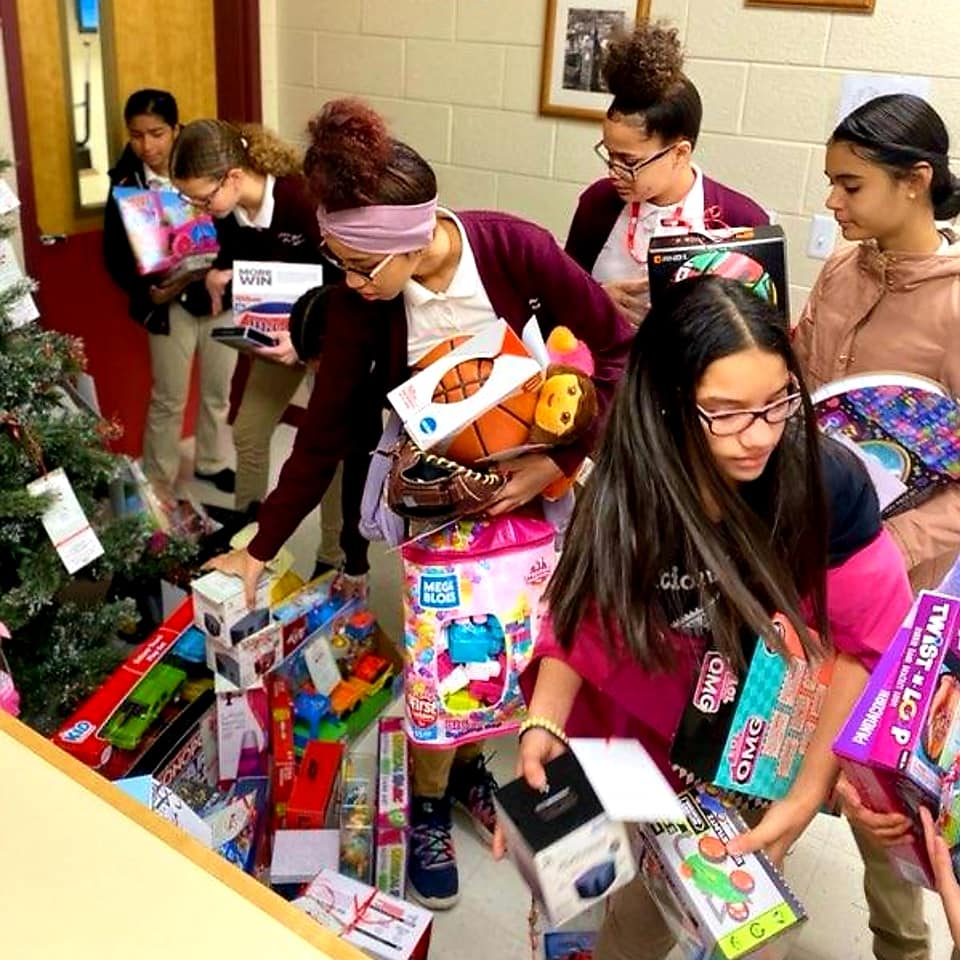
x=720, y=906
x=358, y=803
x=243, y=725
x=381, y=926
x=264, y=292
x=219, y=604
x=750, y=736
x=512, y=370
x=299, y=855
x=756, y=256
x=246, y=663
x=310, y=806
x=393, y=807
x=564, y=945
x=900, y=746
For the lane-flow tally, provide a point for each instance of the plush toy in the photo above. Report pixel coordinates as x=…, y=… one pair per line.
x=567, y=402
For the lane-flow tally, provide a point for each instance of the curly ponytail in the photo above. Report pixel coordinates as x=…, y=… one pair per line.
x=209, y=148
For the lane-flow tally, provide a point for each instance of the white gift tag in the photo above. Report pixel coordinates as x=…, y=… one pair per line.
x=8, y=199
x=65, y=522
x=23, y=310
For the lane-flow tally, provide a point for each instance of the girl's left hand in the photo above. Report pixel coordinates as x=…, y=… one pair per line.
x=283, y=352
x=528, y=475
x=779, y=829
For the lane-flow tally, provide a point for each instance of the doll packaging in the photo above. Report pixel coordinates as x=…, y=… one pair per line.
x=900, y=747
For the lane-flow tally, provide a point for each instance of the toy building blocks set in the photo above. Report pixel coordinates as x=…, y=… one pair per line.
x=749, y=735
x=720, y=906
x=900, y=746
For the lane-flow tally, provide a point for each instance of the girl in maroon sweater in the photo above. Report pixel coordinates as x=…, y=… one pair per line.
x=649, y=135
x=417, y=275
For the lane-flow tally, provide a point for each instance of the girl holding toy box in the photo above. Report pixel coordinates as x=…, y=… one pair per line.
x=176, y=313
x=891, y=301
x=711, y=465
x=649, y=135
x=252, y=183
x=417, y=275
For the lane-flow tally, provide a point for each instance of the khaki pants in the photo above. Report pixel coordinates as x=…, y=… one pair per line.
x=431, y=768
x=171, y=363
x=268, y=391
x=635, y=930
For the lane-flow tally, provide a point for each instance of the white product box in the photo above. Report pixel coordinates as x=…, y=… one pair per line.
x=264, y=292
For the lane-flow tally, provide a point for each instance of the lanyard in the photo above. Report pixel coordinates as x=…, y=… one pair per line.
x=674, y=220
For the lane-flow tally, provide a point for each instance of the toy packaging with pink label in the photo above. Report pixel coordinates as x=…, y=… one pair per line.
x=471, y=605
x=900, y=747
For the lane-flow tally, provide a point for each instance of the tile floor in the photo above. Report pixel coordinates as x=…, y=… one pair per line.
x=491, y=919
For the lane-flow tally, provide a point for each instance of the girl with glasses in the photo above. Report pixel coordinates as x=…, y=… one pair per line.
x=891, y=301
x=652, y=183
x=252, y=183
x=177, y=313
x=417, y=276
x=714, y=503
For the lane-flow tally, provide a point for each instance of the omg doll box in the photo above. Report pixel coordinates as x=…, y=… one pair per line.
x=756, y=256
x=720, y=906
x=264, y=292
x=900, y=747
x=462, y=385
x=750, y=734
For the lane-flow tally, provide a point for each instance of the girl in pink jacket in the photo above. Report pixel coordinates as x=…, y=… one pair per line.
x=892, y=301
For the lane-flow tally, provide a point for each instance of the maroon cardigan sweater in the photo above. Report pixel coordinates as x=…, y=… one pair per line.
x=365, y=355
x=600, y=205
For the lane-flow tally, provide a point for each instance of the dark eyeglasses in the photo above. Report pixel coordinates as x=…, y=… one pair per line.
x=367, y=275
x=627, y=169
x=203, y=203
x=736, y=421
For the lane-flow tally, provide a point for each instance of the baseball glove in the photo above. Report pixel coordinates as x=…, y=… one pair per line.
x=424, y=486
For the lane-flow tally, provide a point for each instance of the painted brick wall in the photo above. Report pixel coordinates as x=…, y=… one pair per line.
x=459, y=79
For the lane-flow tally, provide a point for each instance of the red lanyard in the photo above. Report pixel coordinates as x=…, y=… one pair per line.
x=672, y=221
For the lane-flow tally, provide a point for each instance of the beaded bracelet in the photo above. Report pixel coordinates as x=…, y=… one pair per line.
x=542, y=723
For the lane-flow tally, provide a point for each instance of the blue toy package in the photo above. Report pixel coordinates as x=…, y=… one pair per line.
x=561, y=945
x=749, y=734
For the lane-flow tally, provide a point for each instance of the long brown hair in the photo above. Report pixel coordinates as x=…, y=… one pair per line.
x=642, y=510
x=209, y=148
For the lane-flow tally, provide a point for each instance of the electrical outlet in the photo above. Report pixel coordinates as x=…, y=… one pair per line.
x=823, y=236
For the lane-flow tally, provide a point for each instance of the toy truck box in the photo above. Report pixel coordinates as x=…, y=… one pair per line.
x=756, y=256
x=749, y=735
x=720, y=906
x=900, y=747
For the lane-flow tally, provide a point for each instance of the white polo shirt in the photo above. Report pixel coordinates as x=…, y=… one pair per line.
x=463, y=309
x=614, y=261
x=155, y=181
x=264, y=215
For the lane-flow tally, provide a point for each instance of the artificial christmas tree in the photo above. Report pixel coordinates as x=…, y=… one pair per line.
x=66, y=627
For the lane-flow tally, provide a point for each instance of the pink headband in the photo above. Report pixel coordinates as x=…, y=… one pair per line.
x=383, y=228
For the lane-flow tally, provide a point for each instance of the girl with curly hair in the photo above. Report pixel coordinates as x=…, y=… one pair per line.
x=649, y=135
x=252, y=183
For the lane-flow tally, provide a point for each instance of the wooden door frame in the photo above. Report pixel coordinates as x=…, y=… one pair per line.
x=237, y=29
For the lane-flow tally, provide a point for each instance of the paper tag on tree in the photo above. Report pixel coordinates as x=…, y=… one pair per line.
x=65, y=522
x=23, y=310
x=8, y=199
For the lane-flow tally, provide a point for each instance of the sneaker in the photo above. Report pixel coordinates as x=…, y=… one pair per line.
x=432, y=877
x=224, y=480
x=471, y=788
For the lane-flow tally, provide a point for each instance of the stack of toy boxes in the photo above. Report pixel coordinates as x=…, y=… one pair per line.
x=900, y=747
x=393, y=807
x=720, y=906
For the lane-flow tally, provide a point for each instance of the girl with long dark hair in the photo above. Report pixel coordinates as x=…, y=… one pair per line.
x=713, y=504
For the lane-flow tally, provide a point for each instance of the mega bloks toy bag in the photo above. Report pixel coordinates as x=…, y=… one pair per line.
x=471, y=612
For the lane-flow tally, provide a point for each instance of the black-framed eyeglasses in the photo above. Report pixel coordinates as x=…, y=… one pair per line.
x=737, y=421
x=203, y=203
x=627, y=169
x=368, y=275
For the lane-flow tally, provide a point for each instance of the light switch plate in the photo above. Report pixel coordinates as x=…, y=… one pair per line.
x=823, y=237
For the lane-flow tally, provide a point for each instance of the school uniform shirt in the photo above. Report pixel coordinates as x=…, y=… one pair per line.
x=600, y=207
x=462, y=310
x=520, y=265
x=867, y=597
x=620, y=260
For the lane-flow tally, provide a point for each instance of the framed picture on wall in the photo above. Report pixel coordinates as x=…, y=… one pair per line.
x=575, y=36
x=863, y=6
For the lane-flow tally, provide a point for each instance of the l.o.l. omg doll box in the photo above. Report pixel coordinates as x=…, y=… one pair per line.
x=720, y=906
x=471, y=604
x=900, y=747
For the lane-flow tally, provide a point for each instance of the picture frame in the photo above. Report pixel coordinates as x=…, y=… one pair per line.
x=849, y=6
x=574, y=35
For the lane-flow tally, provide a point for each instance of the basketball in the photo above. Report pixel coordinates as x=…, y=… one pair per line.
x=505, y=426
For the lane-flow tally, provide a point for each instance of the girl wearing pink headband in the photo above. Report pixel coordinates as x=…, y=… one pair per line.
x=427, y=276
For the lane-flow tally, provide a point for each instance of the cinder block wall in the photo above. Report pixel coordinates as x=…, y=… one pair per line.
x=459, y=79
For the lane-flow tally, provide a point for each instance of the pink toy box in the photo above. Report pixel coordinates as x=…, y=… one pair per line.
x=471, y=612
x=900, y=746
